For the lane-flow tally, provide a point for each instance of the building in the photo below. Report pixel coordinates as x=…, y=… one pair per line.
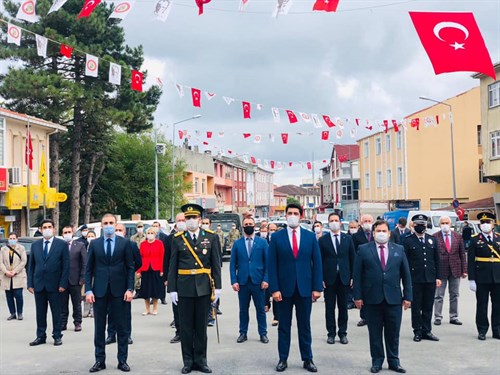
x=264, y=191
x=489, y=135
x=223, y=185
x=308, y=197
x=413, y=168
x=278, y=204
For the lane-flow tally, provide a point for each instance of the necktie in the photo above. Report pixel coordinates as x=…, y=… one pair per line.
x=249, y=247
x=295, y=245
x=369, y=236
x=337, y=243
x=194, y=238
x=489, y=239
x=382, y=257
x=108, y=249
x=46, y=249
x=447, y=243
x=422, y=239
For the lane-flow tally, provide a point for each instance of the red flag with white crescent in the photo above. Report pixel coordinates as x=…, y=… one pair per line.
x=246, y=109
x=200, y=4
x=291, y=116
x=137, y=78
x=284, y=138
x=247, y=135
x=386, y=126
x=66, y=50
x=324, y=135
x=209, y=134
x=88, y=8
x=309, y=165
x=328, y=121
x=326, y=5
x=196, y=96
x=415, y=123
x=395, y=125
x=28, y=151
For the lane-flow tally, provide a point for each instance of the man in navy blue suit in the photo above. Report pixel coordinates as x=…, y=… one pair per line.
x=109, y=285
x=337, y=255
x=379, y=268
x=248, y=269
x=48, y=274
x=295, y=279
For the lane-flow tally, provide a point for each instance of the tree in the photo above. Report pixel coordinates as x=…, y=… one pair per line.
x=56, y=89
x=292, y=200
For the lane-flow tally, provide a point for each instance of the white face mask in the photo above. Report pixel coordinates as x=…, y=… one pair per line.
x=292, y=221
x=485, y=227
x=67, y=237
x=84, y=233
x=334, y=226
x=90, y=239
x=140, y=230
x=263, y=234
x=353, y=230
x=120, y=234
x=48, y=233
x=381, y=237
x=317, y=230
x=150, y=236
x=181, y=226
x=367, y=227
x=205, y=226
x=192, y=224
x=445, y=228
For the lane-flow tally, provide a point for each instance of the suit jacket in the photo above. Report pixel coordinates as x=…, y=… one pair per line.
x=373, y=285
x=118, y=272
x=396, y=235
x=168, y=252
x=343, y=259
x=287, y=273
x=18, y=266
x=484, y=272
x=77, y=263
x=137, y=256
x=359, y=238
x=453, y=263
x=423, y=258
x=206, y=248
x=152, y=256
x=50, y=273
x=244, y=269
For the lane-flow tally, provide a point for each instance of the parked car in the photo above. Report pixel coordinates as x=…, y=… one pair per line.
x=27, y=242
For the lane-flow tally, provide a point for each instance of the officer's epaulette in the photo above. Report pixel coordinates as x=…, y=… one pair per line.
x=179, y=233
x=209, y=231
x=475, y=235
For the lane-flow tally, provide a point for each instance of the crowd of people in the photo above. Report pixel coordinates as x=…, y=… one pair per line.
x=378, y=271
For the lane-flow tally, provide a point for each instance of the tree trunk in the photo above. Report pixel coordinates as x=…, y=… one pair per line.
x=75, y=166
x=54, y=174
x=91, y=183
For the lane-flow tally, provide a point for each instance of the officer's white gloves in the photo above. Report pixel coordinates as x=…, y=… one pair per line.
x=174, y=297
x=472, y=285
x=217, y=294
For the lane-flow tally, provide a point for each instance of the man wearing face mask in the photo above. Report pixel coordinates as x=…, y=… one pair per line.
x=337, y=255
x=353, y=227
x=399, y=233
x=484, y=275
x=453, y=263
x=220, y=233
x=77, y=263
x=194, y=279
x=47, y=278
x=84, y=230
x=423, y=257
x=295, y=279
x=233, y=235
x=138, y=238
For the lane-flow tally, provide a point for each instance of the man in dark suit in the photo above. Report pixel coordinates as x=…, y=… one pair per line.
x=249, y=277
x=364, y=235
x=399, y=233
x=47, y=278
x=163, y=238
x=453, y=264
x=423, y=257
x=379, y=268
x=295, y=279
x=337, y=255
x=194, y=279
x=77, y=263
x=109, y=285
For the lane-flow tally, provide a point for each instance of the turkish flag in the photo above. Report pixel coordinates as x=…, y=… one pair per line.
x=137, y=78
x=246, y=109
x=196, y=95
x=272, y=164
x=324, y=135
x=291, y=116
x=181, y=134
x=453, y=42
x=284, y=138
x=437, y=119
x=247, y=135
x=28, y=151
x=253, y=160
x=290, y=163
x=205, y=143
x=415, y=123
x=460, y=213
x=328, y=121
x=326, y=5
x=88, y=8
x=200, y=4
x=66, y=50
x=209, y=134
x=309, y=165
x=386, y=126
x=395, y=124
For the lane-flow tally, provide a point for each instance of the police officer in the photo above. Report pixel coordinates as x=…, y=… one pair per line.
x=423, y=258
x=194, y=278
x=484, y=275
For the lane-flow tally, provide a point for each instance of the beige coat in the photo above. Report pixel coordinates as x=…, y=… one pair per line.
x=18, y=266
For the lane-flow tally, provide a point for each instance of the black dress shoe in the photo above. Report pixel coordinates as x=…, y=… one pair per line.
x=417, y=338
x=310, y=366
x=186, y=370
x=205, y=369
x=98, y=366
x=375, y=369
x=172, y=324
x=456, y=322
x=38, y=341
x=123, y=366
x=130, y=341
x=343, y=340
x=242, y=338
x=437, y=322
x=12, y=317
x=175, y=339
x=281, y=366
x=496, y=336
x=163, y=302
x=110, y=340
x=218, y=311
x=264, y=339
x=57, y=342
x=397, y=368
x=362, y=323
x=330, y=340
x=19, y=316
x=64, y=328
x=429, y=336
x=481, y=336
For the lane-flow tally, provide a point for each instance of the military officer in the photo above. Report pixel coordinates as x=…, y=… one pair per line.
x=484, y=275
x=140, y=236
x=423, y=258
x=194, y=279
x=234, y=234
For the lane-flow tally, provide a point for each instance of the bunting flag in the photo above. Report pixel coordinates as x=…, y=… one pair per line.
x=328, y=121
x=28, y=150
x=56, y=5
x=316, y=121
x=199, y=4
x=41, y=45
x=210, y=95
x=13, y=34
x=181, y=134
x=137, y=78
x=305, y=116
x=228, y=100
x=272, y=162
x=246, y=109
x=282, y=8
x=162, y=9
x=209, y=134
x=253, y=160
x=326, y=5
x=284, y=138
x=88, y=8
x=91, y=65
x=66, y=50
x=159, y=82
x=115, y=73
x=43, y=175
x=290, y=163
x=395, y=125
x=257, y=138
x=324, y=135
x=180, y=90
x=26, y=11
x=243, y=5
x=339, y=133
x=386, y=126
x=271, y=138
x=259, y=107
x=357, y=121
x=291, y=116
x=309, y=165
x=121, y=9
x=276, y=114
x=369, y=127
x=247, y=135
x=196, y=96
x=221, y=134
x=205, y=143
x=353, y=132
x=415, y=123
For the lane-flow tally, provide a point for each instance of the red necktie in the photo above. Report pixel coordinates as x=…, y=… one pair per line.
x=447, y=242
x=295, y=246
x=382, y=257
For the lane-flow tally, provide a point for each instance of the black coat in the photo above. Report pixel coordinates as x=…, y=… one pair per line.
x=50, y=273
x=396, y=236
x=359, y=238
x=77, y=263
x=343, y=259
x=423, y=258
x=480, y=271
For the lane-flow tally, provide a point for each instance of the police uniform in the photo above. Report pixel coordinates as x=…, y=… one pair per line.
x=484, y=270
x=423, y=258
x=192, y=283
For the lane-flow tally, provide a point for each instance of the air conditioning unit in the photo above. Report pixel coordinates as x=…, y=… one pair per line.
x=15, y=176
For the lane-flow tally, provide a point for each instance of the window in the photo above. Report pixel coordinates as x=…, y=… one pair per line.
x=399, y=140
x=494, y=94
x=388, y=142
x=367, y=180
x=482, y=177
x=203, y=182
x=400, y=176
x=378, y=179
x=196, y=182
x=378, y=146
x=479, y=135
x=2, y=140
x=366, y=150
x=389, y=177
x=495, y=144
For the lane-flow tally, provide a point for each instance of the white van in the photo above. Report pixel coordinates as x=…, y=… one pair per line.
x=433, y=219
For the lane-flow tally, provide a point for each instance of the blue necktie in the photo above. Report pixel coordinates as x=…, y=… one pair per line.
x=108, y=249
x=46, y=250
x=249, y=247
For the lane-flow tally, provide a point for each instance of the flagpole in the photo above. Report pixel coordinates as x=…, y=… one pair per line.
x=44, y=187
x=28, y=189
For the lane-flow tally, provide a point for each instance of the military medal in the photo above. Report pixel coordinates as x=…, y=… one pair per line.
x=204, y=252
x=430, y=241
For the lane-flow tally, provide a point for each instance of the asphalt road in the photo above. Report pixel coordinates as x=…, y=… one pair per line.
x=458, y=352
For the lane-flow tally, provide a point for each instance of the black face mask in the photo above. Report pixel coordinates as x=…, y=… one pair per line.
x=249, y=230
x=420, y=228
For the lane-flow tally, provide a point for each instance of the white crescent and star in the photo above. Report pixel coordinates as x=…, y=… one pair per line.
x=451, y=25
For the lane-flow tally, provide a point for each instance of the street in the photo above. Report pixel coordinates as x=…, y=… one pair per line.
x=459, y=350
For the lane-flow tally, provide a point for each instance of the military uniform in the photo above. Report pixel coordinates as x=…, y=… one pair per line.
x=484, y=269
x=220, y=234
x=423, y=258
x=192, y=283
x=234, y=234
x=138, y=238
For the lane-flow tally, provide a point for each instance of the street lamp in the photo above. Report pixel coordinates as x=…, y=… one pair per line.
x=159, y=149
x=451, y=140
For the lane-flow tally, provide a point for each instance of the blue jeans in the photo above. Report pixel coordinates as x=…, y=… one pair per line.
x=17, y=295
x=254, y=292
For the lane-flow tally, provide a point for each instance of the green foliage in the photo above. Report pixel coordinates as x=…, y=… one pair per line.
x=292, y=200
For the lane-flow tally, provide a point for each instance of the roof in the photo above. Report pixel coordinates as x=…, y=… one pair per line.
x=350, y=151
x=292, y=190
x=480, y=204
x=33, y=120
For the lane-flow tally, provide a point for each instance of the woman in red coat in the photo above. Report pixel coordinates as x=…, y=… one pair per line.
x=151, y=272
